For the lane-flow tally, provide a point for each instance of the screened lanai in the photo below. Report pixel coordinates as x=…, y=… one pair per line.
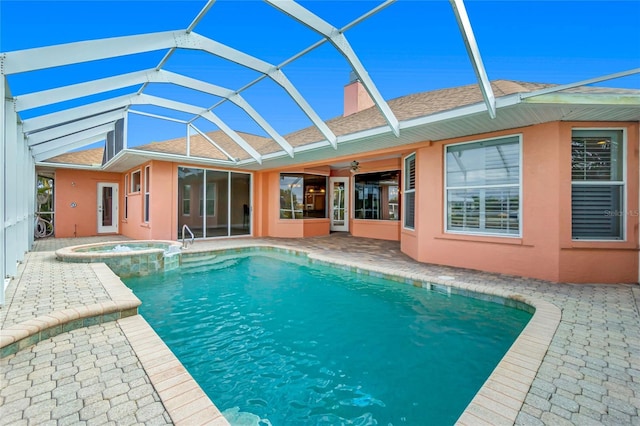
x=262, y=92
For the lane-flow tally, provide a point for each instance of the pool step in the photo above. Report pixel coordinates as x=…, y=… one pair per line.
x=189, y=259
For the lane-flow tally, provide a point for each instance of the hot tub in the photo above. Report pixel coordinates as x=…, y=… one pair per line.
x=127, y=258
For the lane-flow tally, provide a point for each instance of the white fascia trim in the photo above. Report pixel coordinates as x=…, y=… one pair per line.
x=501, y=102
x=166, y=156
x=585, y=99
x=69, y=166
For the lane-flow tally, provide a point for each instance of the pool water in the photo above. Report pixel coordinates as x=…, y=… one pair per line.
x=273, y=339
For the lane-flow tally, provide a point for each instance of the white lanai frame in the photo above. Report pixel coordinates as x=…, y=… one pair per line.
x=47, y=57
x=339, y=41
x=47, y=97
x=22, y=143
x=72, y=53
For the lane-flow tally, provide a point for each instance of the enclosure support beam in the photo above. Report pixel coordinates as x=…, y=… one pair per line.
x=78, y=143
x=72, y=53
x=474, y=55
x=340, y=42
x=66, y=143
x=74, y=127
x=3, y=186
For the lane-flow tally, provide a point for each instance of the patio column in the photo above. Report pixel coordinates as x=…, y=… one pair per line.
x=11, y=188
x=3, y=189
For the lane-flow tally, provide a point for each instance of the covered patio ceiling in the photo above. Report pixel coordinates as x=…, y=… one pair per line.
x=49, y=134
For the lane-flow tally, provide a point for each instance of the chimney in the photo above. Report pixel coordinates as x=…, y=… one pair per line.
x=356, y=97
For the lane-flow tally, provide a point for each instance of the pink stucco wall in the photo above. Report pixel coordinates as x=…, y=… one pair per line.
x=544, y=250
x=79, y=187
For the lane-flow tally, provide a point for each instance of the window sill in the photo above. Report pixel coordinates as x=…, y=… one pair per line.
x=600, y=244
x=303, y=218
x=145, y=225
x=387, y=221
x=516, y=241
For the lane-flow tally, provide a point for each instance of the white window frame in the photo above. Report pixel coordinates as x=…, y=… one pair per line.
x=146, y=211
x=202, y=204
x=186, y=199
x=126, y=197
x=519, y=185
x=132, y=189
x=406, y=191
x=624, y=185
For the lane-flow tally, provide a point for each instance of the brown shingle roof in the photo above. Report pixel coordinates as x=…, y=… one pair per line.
x=200, y=147
x=405, y=108
x=88, y=157
x=412, y=106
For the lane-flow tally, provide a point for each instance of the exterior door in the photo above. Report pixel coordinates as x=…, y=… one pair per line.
x=107, y=208
x=339, y=204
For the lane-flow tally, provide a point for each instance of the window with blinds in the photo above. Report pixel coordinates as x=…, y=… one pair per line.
x=482, y=186
x=409, y=191
x=597, y=187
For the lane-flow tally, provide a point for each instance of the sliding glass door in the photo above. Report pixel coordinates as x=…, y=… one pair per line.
x=214, y=203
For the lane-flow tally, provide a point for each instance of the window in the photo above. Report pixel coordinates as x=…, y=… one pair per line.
x=126, y=196
x=302, y=196
x=376, y=195
x=597, y=184
x=210, y=195
x=135, y=181
x=483, y=187
x=147, y=179
x=186, y=200
x=222, y=198
x=409, y=191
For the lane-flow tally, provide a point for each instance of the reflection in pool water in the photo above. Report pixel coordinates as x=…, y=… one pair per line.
x=275, y=338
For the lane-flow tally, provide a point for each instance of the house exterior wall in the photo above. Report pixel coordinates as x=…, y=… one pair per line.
x=589, y=261
x=378, y=229
x=79, y=187
x=545, y=249
x=277, y=227
x=163, y=201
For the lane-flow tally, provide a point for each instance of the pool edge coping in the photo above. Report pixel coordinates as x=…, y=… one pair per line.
x=180, y=394
x=514, y=373
x=123, y=303
x=503, y=393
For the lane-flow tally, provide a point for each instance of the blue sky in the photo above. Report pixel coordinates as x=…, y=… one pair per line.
x=411, y=46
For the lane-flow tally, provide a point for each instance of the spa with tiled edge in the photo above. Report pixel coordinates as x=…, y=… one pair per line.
x=129, y=258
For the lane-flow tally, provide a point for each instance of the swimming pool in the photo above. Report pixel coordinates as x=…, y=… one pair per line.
x=276, y=338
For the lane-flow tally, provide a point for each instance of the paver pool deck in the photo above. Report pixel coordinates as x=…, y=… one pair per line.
x=577, y=362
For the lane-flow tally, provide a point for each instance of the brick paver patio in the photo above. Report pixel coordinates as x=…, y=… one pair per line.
x=110, y=373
